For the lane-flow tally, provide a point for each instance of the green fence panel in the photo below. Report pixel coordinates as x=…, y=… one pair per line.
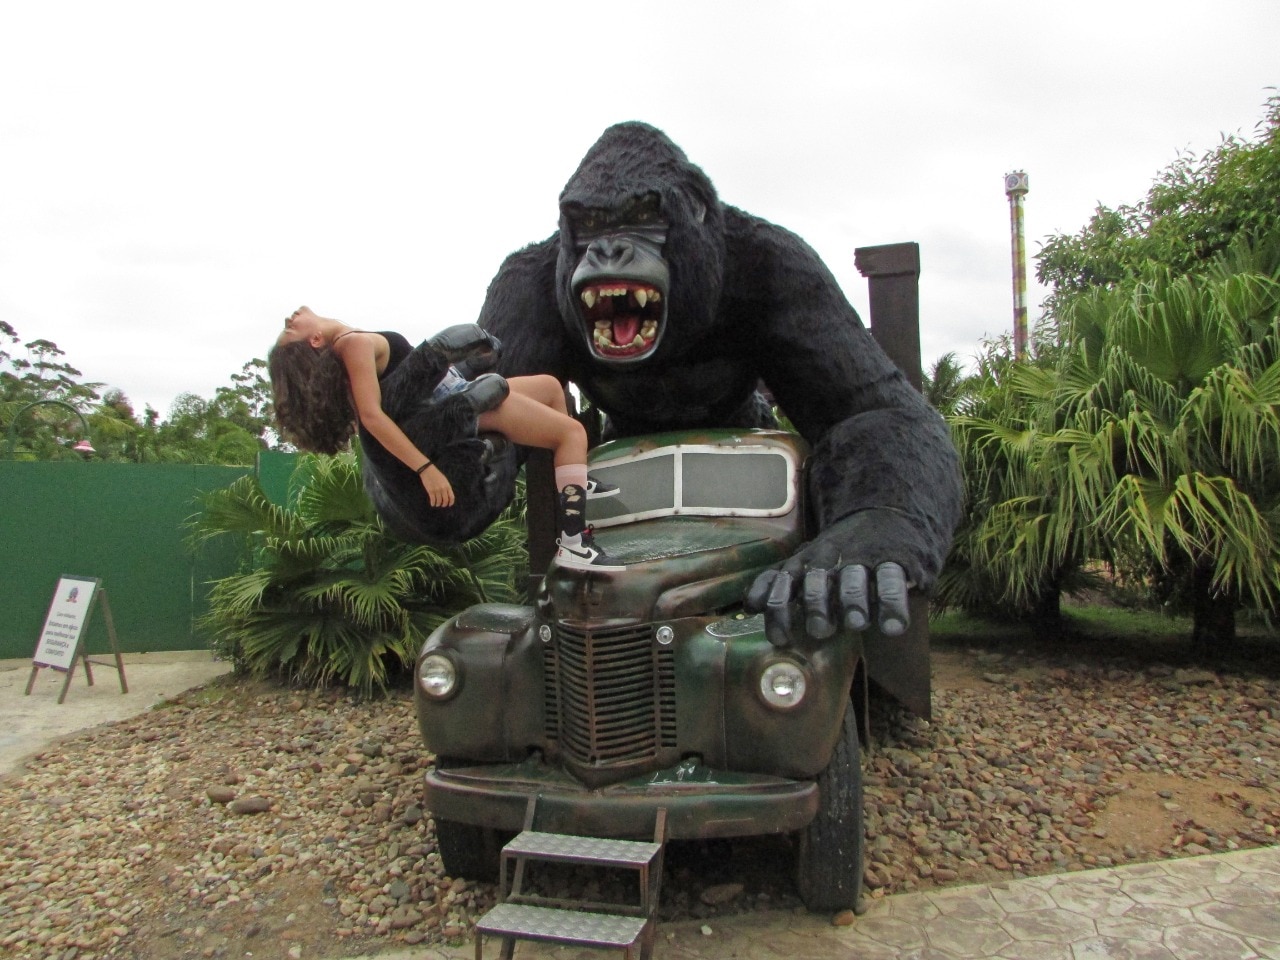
x=275, y=470
x=123, y=523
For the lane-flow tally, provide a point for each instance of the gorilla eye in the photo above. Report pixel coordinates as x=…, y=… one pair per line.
x=644, y=210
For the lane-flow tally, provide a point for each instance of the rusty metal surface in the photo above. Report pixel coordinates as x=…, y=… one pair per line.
x=700, y=804
x=610, y=694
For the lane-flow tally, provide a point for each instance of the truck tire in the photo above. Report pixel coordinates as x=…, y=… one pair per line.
x=468, y=851
x=830, y=848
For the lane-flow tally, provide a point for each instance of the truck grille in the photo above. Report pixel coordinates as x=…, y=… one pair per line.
x=610, y=694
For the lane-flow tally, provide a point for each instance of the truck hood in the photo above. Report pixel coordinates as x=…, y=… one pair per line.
x=675, y=567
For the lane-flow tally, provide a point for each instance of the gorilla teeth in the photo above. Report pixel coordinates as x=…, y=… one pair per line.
x=590, y=296
x=604, y=342
x=616, y=309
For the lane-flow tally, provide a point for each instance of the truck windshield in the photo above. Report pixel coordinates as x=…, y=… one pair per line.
x=695, y=480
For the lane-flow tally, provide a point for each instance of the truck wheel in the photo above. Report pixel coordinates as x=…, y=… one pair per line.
x=468, y=851
x=829, y=859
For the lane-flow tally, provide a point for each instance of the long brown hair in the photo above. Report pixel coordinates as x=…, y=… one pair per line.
x=312, y=396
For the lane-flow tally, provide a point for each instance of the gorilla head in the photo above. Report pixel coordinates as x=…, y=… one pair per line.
x=641, y=247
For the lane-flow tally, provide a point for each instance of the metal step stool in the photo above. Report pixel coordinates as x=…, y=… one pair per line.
x=521, y=915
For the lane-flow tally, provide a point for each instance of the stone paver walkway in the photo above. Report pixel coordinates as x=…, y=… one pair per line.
x=1216, y=907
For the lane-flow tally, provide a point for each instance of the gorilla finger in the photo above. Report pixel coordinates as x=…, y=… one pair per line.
x=816, y=556
x=854, y=600
x=758, y=594
x=777, y=612
x=891, y=592
x=817, y=604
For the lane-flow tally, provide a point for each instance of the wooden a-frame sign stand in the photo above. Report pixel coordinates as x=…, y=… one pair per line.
x=61, y=641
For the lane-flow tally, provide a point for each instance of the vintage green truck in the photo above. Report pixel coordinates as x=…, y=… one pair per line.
x=614, y=694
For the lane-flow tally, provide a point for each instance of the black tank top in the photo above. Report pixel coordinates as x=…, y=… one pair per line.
x=399, y=350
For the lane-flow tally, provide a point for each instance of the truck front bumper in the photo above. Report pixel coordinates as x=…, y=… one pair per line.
x=700, y=802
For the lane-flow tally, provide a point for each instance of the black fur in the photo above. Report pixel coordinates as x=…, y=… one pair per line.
x=482, y=476
x=749, y=302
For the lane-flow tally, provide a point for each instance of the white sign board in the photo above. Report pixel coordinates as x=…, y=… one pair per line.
x=68, y=613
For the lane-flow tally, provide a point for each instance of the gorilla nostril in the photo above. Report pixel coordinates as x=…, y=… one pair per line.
x=613, y=250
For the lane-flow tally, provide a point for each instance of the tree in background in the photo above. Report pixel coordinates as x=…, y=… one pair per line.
x=1144, y=431
x=230, y=428
x=33, y=372
x=1015, y=551
x=1194, y=211
x=946, y=386
x=1172, y=402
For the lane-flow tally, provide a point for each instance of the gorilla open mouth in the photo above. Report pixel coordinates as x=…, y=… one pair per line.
x=625, y=318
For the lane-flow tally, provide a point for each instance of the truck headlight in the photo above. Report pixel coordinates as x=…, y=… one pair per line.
x=782, y=684
x=438, y=676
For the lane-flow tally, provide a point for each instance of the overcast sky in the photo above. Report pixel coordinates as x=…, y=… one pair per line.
x=176, y=177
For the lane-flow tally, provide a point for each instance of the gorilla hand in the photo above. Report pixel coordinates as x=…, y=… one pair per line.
x=831, y=592
x=486, y=392
x=469, y=348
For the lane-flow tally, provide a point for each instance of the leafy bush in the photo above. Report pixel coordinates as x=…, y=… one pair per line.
x=327, y=594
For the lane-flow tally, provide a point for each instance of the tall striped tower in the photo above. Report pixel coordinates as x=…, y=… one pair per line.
x=1016, y=185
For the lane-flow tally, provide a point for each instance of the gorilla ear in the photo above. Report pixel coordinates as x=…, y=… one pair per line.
x=699, y=211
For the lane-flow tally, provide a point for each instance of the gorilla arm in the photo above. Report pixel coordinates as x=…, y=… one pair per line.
x=520, y=310
x=883, y=478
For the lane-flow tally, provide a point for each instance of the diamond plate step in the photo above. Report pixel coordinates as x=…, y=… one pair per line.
x=570, y=849
x=524, y=915
x=561, y=926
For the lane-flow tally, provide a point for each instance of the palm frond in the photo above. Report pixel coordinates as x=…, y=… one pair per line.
x=332, y=596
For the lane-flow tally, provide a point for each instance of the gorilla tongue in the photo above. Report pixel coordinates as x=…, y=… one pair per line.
x=625, y=329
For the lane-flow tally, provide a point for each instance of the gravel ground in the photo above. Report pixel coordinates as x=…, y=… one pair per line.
x=247, y=820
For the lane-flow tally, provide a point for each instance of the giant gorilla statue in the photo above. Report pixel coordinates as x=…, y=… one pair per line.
x=667, y=308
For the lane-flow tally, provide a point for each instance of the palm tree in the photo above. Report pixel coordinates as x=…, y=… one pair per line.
x=946, y=385
x=1153, y=442
x=1015, y=551
x=328, y=595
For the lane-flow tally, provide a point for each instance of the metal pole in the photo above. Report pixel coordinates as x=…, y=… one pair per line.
x=1016, y=185
x=11, y=437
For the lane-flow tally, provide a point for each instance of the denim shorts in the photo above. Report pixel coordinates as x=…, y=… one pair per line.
x=451, y=383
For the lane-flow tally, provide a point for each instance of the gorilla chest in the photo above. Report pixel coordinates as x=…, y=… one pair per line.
x=677, y=395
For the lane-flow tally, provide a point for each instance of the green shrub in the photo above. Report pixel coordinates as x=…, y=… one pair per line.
x=327, y=594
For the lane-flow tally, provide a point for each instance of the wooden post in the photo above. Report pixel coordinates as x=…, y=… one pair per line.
x=899, y=665
x=893, y=281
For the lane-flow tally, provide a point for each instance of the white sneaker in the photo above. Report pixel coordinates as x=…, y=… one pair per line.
x=598, y=489
x=581, y=551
